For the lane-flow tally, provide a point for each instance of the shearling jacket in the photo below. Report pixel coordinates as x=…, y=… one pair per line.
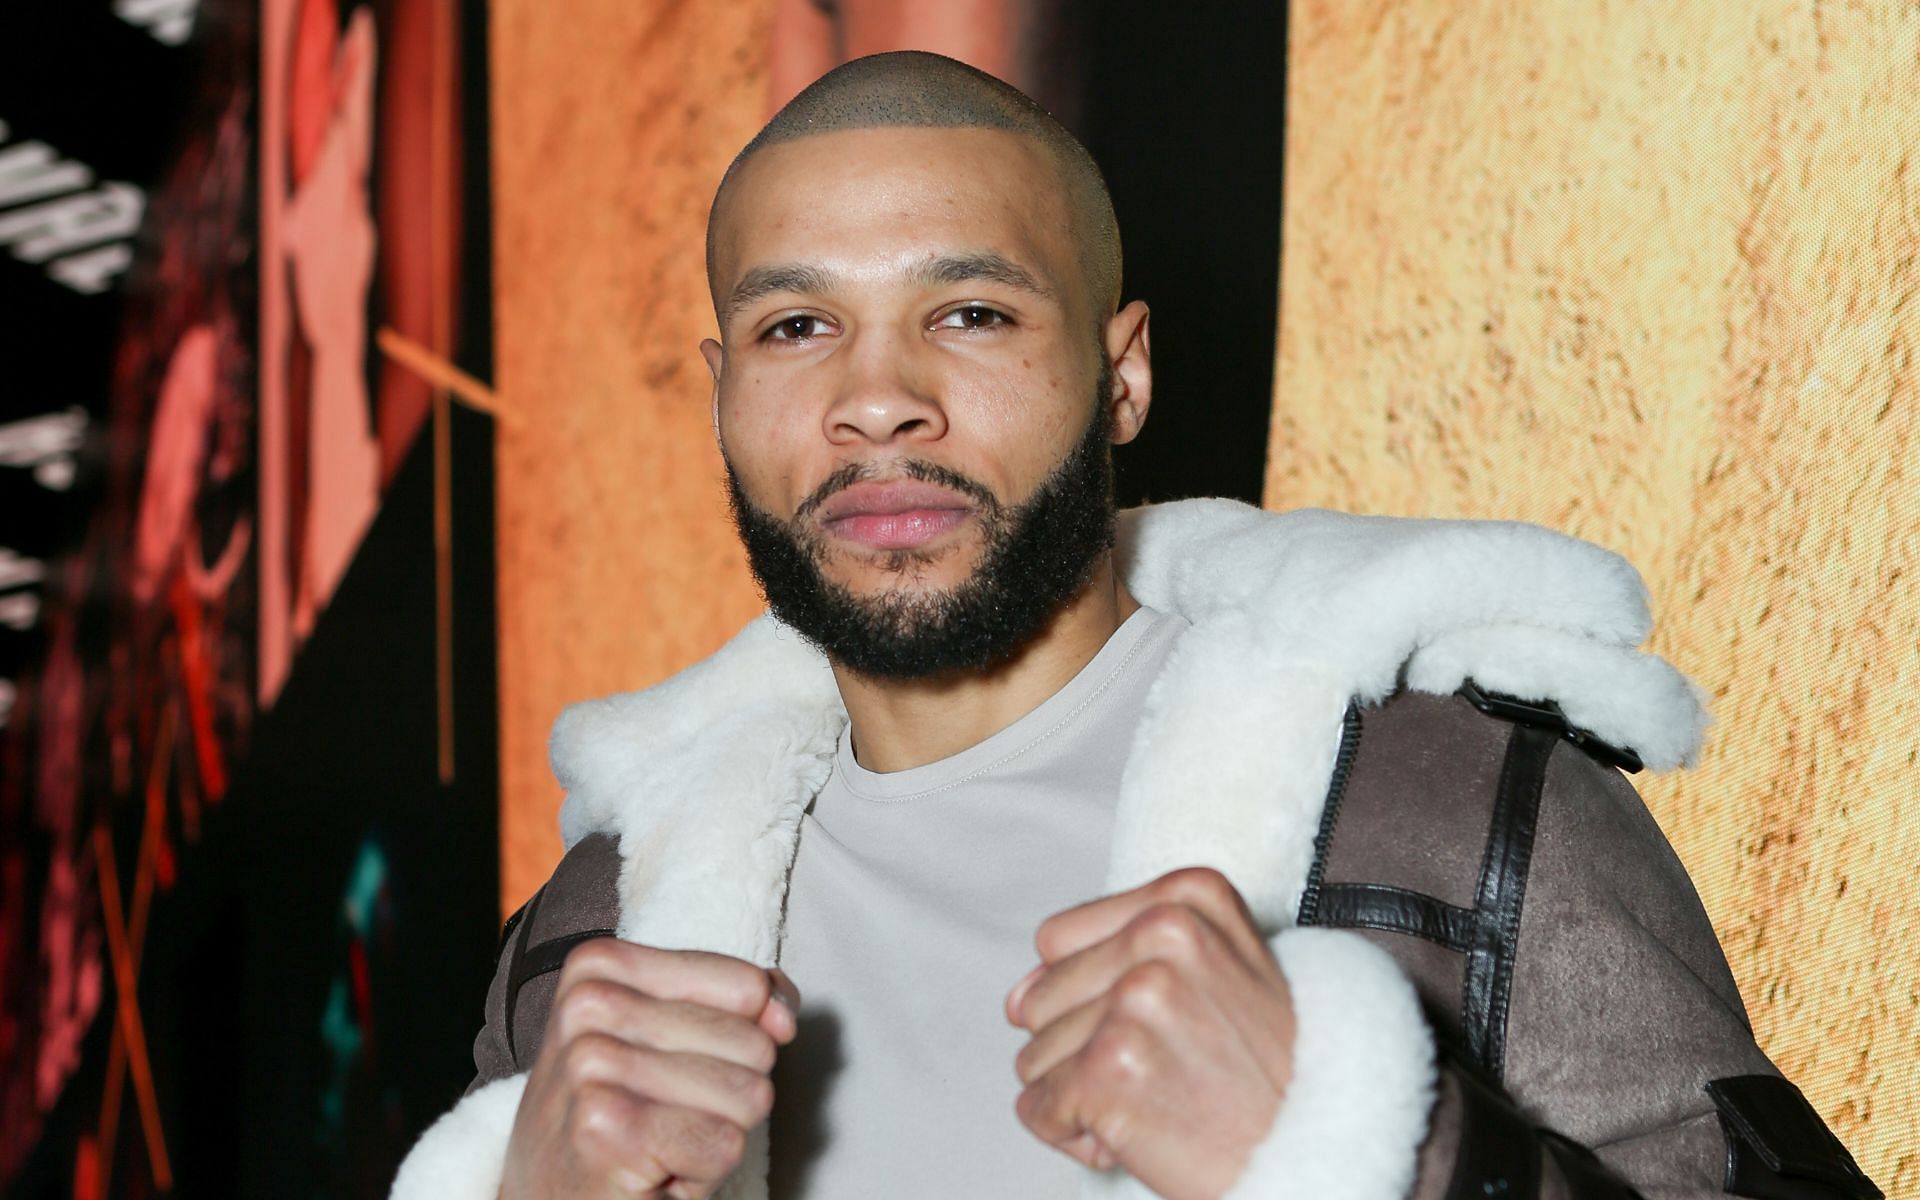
x=1401, y=741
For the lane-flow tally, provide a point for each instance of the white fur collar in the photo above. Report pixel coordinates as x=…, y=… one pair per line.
x=704, y=777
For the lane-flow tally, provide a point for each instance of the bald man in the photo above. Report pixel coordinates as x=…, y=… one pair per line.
x=1193, y=851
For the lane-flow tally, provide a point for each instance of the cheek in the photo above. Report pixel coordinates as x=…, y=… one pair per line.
x=770, y=440
x=1034, y=416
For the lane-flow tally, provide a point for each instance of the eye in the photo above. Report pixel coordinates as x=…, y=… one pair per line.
x=972, y=316
x=797, y=328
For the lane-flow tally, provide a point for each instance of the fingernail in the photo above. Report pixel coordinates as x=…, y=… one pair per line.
x=783, y=988
x=1019, y=993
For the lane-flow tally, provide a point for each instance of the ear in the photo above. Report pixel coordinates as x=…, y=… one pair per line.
x=1130, y=355
x=715, y=356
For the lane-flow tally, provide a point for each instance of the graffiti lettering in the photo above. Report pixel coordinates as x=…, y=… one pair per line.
x=32, y=171
x=17, y=570
x=19, y=610
x=46, y=444
x=168, y=21
x=83, y=232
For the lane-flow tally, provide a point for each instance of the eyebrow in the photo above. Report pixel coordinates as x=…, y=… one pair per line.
x=980, y=264
x=761, y=282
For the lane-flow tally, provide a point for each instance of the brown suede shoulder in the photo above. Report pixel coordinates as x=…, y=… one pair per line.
x=580, y=901
x=1413, y=816
x=1614, y=1004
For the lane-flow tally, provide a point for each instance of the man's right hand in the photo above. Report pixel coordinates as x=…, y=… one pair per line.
x=654, y=1066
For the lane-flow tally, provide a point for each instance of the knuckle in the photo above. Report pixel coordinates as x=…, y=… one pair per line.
x=751, y=985
x=1027, y=1106
x=1167, y=931
x=588, y=1058
x=735, y=984
x=758, y=1094
x=598, y=1110
x=1023, y=1064
x=1038, y=1108
x=759, y=1049
x=592, y=956
x=1119, y=1054
x=584, y=1005
x=1147, y=989
x=1047, y=938
x=1197, y=885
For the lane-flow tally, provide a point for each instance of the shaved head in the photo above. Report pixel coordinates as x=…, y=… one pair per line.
x=915, y=89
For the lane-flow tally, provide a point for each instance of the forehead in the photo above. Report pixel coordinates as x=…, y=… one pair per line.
x=862, y=199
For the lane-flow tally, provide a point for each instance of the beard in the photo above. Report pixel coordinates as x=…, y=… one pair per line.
x=1036, y=556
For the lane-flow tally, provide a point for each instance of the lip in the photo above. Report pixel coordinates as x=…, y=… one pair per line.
x=903, y=515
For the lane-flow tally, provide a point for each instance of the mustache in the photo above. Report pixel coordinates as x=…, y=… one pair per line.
x=917, y=469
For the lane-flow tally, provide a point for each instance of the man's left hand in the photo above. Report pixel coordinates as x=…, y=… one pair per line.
x=1162, y=1034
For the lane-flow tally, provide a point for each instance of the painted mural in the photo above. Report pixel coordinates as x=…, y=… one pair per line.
x=215, y=211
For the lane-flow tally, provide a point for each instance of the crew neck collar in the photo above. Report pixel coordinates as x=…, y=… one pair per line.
x=1049, y=719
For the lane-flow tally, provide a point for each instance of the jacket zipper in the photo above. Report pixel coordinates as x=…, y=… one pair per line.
x=1330, y=812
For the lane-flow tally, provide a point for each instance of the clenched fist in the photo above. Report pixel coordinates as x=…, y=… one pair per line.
x=1162, y=1034
x=654, y=1067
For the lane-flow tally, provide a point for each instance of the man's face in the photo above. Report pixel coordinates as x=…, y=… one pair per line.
x=911, y=371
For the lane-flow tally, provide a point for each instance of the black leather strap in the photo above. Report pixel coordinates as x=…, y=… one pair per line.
x=506, y=931
x=1778, y=1148
x=1545, y=714
x=1396, y=910
x=1499, y=1157
x=1503, y=887
x=552, y=955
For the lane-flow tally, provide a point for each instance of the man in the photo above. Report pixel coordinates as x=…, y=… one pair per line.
x=983, y=721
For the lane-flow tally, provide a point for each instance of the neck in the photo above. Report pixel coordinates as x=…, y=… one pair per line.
x=902, y=723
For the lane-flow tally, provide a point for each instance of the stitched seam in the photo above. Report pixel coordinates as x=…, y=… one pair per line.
x=1519, y=862
x=1373, y=906
x=1351, y=728
x=1487, y=987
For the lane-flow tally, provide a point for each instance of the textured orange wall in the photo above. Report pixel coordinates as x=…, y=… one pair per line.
x=1648, y=273
x=612, y=122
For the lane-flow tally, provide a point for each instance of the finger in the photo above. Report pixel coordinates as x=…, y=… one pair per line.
x=716, y=980
x=781, y=1017
x=1075, y=929
x=711, y=1085
x=1017, y=996
x=783, y=987
x=1054, y=1043
x=1088, y=1095
x=601, y=1006
x=1173, y=934
x=1201, y=888
x=1089, y=1151
x=639, y=1146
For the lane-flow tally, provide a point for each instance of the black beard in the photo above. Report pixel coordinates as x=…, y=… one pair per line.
x=1037, y=556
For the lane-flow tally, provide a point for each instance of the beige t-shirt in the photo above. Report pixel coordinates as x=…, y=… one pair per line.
x=910, y=915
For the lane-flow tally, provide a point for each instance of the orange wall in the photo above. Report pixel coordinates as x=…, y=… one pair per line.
x=1648, y=273
x=617, y=565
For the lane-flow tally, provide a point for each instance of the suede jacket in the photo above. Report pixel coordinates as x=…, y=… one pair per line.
x=1402, y=741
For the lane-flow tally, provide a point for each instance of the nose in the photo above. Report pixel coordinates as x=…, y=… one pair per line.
x=885, y=396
